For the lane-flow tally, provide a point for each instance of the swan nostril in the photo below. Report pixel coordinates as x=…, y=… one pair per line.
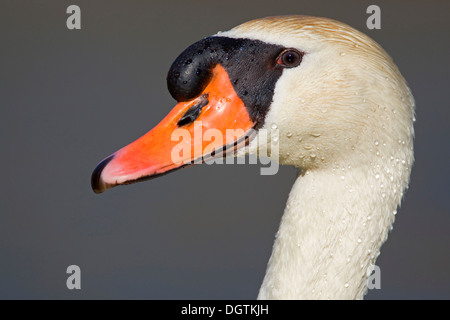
x=193, y=112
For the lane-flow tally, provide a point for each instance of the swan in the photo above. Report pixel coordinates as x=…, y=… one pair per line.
x=344, y=116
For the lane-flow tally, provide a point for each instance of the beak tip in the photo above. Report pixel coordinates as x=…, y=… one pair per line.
x=100, y=188
x=97, y=183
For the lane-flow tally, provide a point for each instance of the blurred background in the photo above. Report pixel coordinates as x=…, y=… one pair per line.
x=70, y=98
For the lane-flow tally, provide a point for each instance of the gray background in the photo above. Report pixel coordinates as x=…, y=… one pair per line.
x=70, y=98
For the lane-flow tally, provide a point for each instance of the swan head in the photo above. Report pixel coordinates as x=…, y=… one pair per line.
x=332, y=94
x=342, y=103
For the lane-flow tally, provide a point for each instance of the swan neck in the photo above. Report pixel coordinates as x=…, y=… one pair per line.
x=330, y=234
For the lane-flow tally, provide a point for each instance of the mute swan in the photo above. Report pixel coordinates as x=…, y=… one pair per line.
x=345, y=119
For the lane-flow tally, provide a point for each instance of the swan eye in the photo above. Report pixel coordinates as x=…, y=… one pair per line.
x=290, y=58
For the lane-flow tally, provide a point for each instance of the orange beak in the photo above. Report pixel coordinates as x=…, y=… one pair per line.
x=215, y=122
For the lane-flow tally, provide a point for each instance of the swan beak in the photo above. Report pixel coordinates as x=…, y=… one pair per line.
x=182, y=137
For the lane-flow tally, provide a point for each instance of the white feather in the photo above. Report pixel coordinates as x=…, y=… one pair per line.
x=345, y=117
